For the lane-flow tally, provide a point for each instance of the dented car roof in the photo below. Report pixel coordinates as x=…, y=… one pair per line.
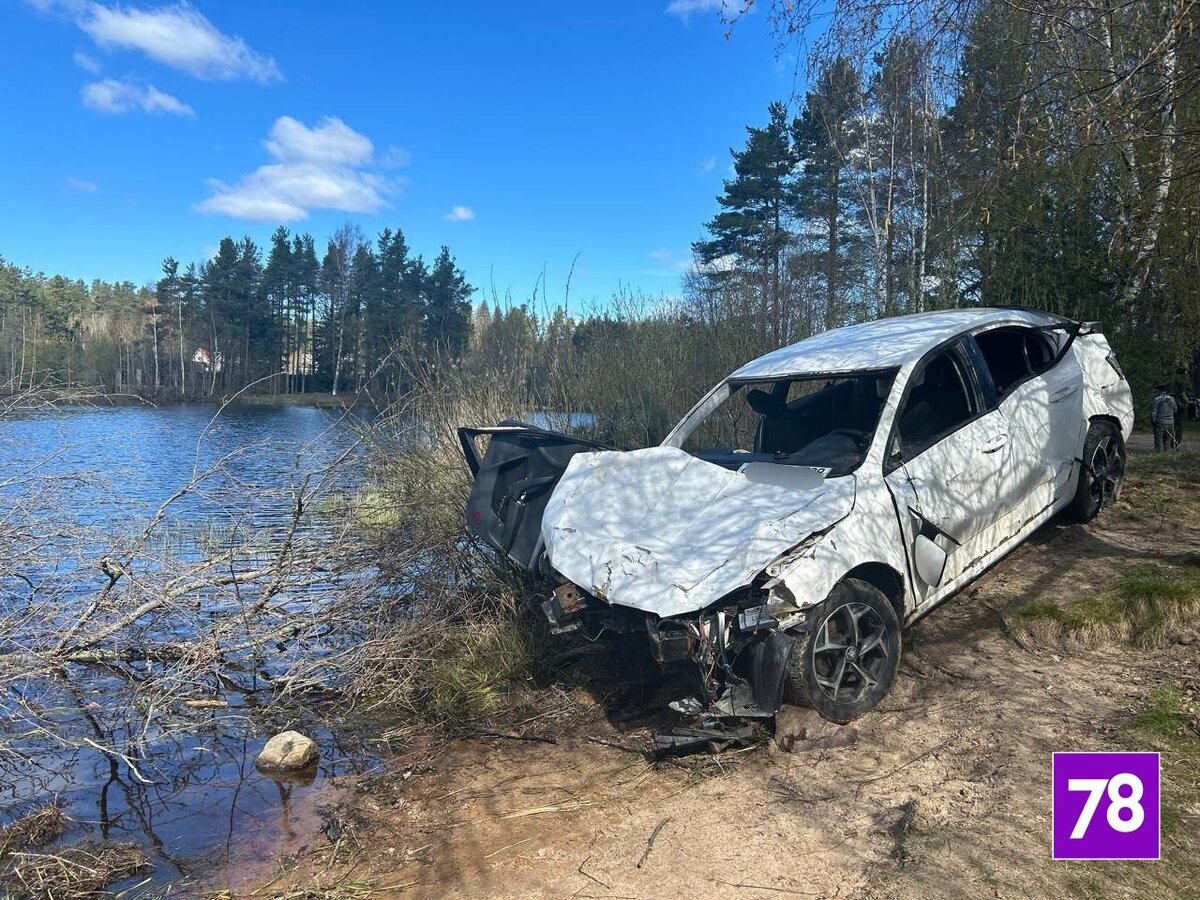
x=883, y=344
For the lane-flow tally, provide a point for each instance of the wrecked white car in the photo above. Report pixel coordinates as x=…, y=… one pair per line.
x=816, y=500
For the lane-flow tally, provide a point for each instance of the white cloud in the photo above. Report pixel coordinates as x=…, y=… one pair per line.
x=73, y=185
x=708, y=165
x=331, y=142
x=114, y=97
x=177, y=35
x=460, y=214
x=395, y=158
x=669, y=263
x=726, y=263
x=87, y=63
x=728, y=9
x=324, y=167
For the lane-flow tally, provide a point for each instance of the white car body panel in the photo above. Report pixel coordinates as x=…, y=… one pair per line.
x=870, y=535
x=1105, y=393
x=882, y=344
x=664, y=532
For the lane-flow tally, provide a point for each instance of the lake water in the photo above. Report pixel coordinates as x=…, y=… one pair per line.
x=99, y=474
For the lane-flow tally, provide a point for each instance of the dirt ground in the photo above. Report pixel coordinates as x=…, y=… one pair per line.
x=942, y=792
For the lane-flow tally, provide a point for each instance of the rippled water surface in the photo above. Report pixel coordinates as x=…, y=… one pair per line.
x=196, y=797
x=139, y=455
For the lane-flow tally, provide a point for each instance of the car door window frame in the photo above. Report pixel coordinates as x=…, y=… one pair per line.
x=894, y=458
x=983, y=375
x=984, y=371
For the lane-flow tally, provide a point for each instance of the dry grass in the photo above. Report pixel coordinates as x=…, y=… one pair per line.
x=1160, y=490
x=1152, y=605
x=80, y=872
x=35, y=828
x=454, y=640
x=475, y=670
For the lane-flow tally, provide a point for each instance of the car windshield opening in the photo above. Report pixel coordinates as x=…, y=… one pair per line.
x=824, y=421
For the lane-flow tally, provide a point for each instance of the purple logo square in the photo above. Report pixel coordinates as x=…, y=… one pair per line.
x=1106, y=806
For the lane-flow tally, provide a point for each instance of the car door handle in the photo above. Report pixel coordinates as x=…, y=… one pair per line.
x=996, y=443
x=1063, y=393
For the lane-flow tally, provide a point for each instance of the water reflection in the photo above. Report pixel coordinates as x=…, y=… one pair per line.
x=125, y=760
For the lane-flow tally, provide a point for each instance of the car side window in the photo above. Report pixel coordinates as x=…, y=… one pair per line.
x=1014, y=354
x=939, y=401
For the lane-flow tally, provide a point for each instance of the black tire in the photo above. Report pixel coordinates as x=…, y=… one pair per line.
x=1101, y=474
x=831, y=671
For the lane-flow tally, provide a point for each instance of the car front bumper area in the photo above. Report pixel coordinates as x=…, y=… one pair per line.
x=740, y=649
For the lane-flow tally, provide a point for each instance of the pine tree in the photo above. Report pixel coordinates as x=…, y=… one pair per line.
x=825, y=136
x=448, y=322
x=305, y=272
x=365, y=287
x=170, y=297
x=277, y=285
x=757, y=204
x=246, y=317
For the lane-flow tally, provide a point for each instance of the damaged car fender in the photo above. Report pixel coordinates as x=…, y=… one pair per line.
x=868, y=544
x=1106, y=393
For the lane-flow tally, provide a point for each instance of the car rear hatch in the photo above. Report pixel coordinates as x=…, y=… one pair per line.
x=514, y=478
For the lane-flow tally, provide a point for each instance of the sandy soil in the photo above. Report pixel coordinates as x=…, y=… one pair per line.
x=942, y=792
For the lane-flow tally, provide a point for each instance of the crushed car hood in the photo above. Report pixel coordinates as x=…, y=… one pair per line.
x=663, y=531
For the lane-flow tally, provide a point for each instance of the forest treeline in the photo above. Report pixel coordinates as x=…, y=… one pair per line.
x=286, y=322
x=947, y=153
x=975, y=152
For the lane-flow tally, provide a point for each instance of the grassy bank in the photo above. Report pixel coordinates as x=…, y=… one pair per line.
x=1152, y=602
x=464, y=641
x=1152, y=605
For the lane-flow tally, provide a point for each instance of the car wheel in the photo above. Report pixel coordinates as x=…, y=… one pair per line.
x=1102, y=472
x=845, y=664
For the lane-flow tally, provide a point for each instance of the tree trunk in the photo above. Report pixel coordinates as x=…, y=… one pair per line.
x=341, y=334
x=216, y=354
x=181, y=381
x=1147, y=244
x=154, y=331
x=831, y=258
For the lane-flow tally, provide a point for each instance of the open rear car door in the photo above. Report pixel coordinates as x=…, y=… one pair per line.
x=514, y=478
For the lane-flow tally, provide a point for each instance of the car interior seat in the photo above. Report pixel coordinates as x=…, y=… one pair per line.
x=780, y=430
x=935, y=403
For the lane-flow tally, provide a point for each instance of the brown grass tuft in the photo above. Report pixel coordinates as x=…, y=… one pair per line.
x=1152, y=605
x=36, y=828
x=74, y=873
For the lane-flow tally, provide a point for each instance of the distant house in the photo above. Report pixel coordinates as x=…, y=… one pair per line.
x=205, y=358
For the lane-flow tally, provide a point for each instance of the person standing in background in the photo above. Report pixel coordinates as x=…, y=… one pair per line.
x=1181, y=402
x=1162, y=418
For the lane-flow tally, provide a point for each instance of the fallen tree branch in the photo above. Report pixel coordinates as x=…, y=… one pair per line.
x=889, y=774
x=121, y=756
x=539, y=738
x=1007, y=628
x=617, y=745
x=763, y=887
x=650, y=841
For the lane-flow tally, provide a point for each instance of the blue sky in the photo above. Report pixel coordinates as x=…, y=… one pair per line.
x=521, y=135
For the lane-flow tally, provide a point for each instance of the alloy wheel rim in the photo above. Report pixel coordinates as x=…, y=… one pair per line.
x=850, y=652
x=1107, y=469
